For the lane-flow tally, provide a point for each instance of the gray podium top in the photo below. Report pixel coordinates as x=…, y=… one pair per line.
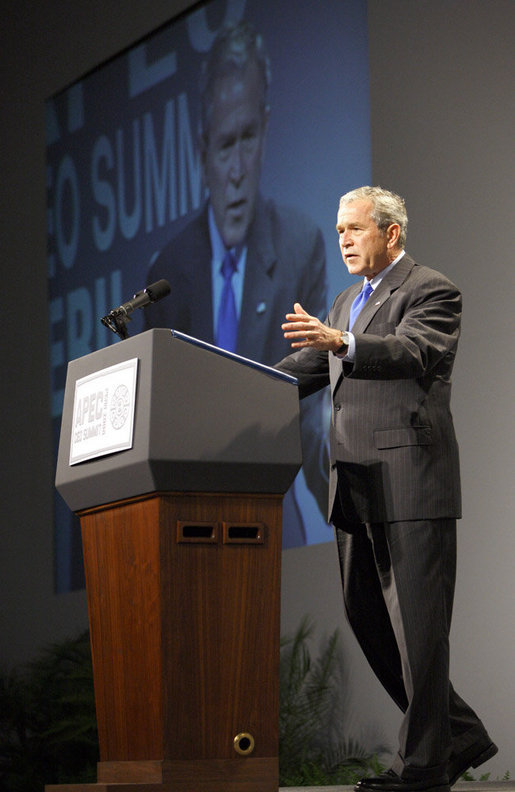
x=205, y=421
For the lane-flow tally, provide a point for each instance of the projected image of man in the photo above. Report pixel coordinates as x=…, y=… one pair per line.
x=242, y=254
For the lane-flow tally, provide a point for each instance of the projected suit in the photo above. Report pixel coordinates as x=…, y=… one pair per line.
x=394, y=483
x=285, y=262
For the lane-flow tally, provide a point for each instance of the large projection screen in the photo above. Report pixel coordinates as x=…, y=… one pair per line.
x=127, y=175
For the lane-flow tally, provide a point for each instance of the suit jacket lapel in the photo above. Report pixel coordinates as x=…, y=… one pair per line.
x=346, y=305
x=199, y=276
x=341, y=320
x=258, y=287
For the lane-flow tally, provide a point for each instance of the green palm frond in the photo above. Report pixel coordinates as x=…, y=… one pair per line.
x=311, y=750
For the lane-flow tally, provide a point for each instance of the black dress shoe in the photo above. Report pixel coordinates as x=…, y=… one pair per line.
x=473, y=756
x=391, y=782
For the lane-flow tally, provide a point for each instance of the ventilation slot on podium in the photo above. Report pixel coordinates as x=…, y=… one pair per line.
x=243, y=533
x=203, y=532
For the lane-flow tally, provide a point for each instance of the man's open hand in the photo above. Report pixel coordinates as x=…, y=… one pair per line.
x=304, y=330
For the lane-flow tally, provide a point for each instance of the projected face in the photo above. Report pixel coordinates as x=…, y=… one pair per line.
x=233, y=154
x=366, y=250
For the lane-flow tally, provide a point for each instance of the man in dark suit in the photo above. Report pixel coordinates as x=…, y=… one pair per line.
x=275, y=254
x=387, y=350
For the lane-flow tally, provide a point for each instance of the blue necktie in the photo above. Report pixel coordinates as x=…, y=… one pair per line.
x=227, y=322
x=358, y=303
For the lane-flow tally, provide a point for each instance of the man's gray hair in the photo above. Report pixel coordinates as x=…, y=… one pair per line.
x=387, y=208
x=236, y=47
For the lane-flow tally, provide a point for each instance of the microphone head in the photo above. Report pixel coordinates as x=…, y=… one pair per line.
x=156, y=291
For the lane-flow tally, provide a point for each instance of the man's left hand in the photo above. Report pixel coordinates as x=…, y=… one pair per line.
x=305, y=330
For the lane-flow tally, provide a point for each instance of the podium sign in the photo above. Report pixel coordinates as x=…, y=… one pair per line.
x=103, y=412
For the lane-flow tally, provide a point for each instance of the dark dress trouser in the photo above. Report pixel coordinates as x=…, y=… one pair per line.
x=398, y=585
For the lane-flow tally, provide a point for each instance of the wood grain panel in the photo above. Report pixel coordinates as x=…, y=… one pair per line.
x=185, y=641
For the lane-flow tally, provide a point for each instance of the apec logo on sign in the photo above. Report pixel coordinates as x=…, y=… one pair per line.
x=103, y=412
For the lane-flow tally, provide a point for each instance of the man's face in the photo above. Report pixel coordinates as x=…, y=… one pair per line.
x=233, y=154
x=366, y=250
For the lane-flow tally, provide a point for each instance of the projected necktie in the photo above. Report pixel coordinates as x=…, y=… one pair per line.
x=358, y=303
x=227, y=323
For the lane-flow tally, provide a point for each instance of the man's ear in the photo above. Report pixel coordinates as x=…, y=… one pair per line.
x=393, y=233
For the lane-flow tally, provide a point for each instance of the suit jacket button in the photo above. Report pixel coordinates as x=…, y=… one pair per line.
x=337, y=407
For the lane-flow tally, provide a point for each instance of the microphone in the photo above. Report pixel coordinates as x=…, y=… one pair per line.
x=117, y=318
x=151, y=294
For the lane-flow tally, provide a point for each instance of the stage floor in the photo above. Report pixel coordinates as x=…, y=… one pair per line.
x=462, y=786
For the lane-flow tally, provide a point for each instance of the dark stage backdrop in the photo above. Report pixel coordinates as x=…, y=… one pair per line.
x=124, y=174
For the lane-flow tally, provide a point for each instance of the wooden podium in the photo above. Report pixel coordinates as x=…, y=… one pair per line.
x=182, y=547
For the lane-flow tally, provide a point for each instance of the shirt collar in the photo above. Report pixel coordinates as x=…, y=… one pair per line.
x=376, y=280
